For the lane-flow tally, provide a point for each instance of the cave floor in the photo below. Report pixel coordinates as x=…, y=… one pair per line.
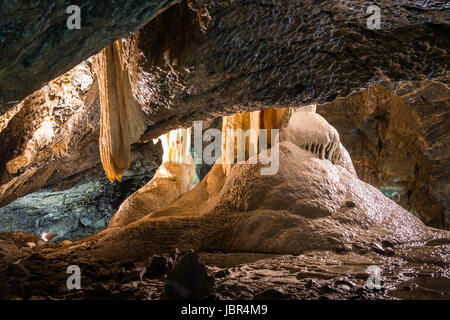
x=406, y=272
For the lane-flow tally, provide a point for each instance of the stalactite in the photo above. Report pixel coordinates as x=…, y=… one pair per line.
x=236, y=144
x=176, y=146
x=310, y=131
x=122, y=122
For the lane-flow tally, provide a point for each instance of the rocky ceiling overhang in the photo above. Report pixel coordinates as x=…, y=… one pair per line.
x=36, y=45
x=246, y=52
x=230, y=56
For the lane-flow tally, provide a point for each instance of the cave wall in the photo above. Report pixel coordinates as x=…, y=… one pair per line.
x=78, y=208
x=52, y=136
x=397, y=136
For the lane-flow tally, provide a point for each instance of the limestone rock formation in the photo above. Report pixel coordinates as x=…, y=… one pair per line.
x=199, y=60
x=50, y=152
x=51, y=135
x=396, y=134
x=37, y=45
x=78, y=208
x=79, y=110
x=172, y=179
x=309, y=204
x=121, y=121
x=239, y=56
x=196, y=54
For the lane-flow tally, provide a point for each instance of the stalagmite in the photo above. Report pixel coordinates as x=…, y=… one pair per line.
x=313, y=133
x=122, y=122
x=172, y=179
x=241, y=144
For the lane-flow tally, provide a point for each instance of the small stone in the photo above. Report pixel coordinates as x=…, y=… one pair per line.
x=343, y=248
x=327, y=289
x=376, y=247
x=30, y=244
x=348, y=283
x=387, y=243
x=134, y=275
x=389, y=251
x=363, y=250
x=311, y=283
x=222, y=273
x=189, y=279
x=272, y=294
x=350, y=204
x=343, y=287
x=66, y=243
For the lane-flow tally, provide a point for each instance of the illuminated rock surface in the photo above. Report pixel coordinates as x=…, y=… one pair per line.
x=121, y=121
x=309, y=204
x=397, y=135
x=172, y=179
x=201, y=60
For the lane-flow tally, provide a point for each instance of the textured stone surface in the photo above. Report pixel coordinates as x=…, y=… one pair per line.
x=51, y=141
x=189, y=280
x=309, y=204
x=77, y=211
x=204, y=59
x=36, y=45
x=52, y=136
x=122, y=121
x=232, y=56
x=397, y=136
x=315, y=275
x=172, y=179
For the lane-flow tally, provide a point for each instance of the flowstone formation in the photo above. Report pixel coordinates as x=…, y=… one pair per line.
x=172, y=179
x=311, y=203
x=334, y=223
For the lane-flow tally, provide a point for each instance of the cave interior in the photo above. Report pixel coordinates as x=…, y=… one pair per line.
x=226, y=150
